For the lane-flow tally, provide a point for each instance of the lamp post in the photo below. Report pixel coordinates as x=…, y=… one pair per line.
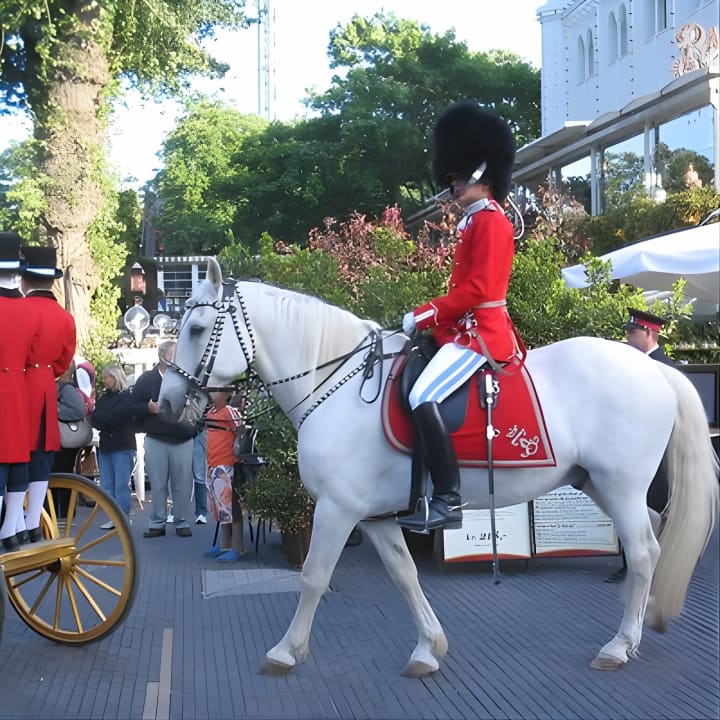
x=162, y=322
x=138, y=284
x=137, y=321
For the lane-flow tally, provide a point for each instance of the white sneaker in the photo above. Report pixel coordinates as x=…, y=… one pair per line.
x=201, y=520
x=109, y=525
x=170, y=518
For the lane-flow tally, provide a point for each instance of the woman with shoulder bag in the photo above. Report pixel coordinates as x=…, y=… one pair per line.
x=71, y=410
x=113, y=416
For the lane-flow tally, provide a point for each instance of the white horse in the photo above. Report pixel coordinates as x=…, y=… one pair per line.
x=612, y=415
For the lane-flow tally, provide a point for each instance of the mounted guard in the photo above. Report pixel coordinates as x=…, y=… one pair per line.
x=474, y=150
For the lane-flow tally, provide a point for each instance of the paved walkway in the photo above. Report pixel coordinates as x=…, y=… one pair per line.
x=197, y=635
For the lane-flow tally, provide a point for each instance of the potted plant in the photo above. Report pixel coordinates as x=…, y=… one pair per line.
x=277, y=493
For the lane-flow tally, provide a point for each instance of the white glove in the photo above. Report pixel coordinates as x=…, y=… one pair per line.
x=408, y=322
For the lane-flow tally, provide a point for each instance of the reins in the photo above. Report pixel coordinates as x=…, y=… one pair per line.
x=373, y=342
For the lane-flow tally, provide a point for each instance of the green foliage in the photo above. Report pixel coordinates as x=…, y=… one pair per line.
x=129, y=219
x=697, y=342
x=62, y=62
x=367, y=150
x=624, y=176
x=22, y=189
x=398, y=78
x=642, y=217
x=109, y=255
x=673, y=166
x=153, y=44
x=286, y=265
x=277, y=493
x=545, y=310
x=371, y=267
x=198, y=185
x=293, y=175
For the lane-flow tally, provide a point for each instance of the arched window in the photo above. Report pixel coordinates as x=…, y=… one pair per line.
x=661, y=19
x=590, y=54
x=654, y=17
x=623, y=32
x=580, y=60
x=612, y=39
x=648, y=19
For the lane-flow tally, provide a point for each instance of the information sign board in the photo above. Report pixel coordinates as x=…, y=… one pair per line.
x=567, y=522
x=474, y=541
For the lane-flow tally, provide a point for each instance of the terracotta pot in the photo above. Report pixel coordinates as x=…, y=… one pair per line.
x=296, y=545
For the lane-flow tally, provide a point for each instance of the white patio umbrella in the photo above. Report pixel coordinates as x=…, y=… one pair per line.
x=657, y=262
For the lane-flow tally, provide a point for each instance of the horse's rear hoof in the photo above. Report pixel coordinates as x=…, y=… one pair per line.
x=605, y=662
x=417, y=669
x=273, y=668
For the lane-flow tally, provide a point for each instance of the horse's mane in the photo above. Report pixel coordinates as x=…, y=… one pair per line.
x=317, y=318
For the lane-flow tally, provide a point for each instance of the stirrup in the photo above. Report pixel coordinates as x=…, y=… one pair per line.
x=423, y=521
x=422, y=506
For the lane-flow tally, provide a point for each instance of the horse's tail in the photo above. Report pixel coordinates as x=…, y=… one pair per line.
x=691, y=466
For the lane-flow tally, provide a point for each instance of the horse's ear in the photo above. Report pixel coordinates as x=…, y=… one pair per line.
x=214, y=273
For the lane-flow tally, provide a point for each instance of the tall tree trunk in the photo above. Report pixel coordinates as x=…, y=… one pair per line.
x=72, y=134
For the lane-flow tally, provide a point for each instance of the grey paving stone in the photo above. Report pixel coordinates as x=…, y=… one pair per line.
x=520, y=649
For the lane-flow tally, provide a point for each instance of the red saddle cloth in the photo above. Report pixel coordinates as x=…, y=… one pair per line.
x=521, y=437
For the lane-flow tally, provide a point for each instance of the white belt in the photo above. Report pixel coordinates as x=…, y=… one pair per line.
x=490, y=304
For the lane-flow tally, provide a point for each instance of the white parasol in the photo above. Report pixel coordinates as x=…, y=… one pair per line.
x=656, y=263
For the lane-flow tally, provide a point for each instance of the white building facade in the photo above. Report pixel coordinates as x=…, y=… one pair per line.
x=631, y=79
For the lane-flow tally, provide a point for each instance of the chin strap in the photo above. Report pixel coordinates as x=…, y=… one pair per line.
x=479, y=172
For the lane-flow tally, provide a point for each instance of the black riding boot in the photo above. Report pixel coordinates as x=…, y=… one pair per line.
x=443, y=510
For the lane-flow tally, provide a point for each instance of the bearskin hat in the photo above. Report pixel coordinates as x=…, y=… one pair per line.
x=467, y=135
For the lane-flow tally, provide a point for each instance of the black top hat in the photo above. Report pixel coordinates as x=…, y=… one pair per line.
x=10, y=260
x=465, y=136
x=41, y=261
x=639, y=319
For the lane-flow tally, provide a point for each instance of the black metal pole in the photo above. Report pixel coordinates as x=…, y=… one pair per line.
x=490, y=435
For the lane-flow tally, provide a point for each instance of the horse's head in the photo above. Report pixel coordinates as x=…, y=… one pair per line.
x=212, y=324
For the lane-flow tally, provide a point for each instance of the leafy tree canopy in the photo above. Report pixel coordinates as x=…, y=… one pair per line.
x=198, y=186
x=153, y=44
x=61, y=61
x=368, y=148
x=398, y=77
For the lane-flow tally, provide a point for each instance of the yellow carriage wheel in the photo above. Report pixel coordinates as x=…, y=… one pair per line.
x=3, y=603
x=80, y=582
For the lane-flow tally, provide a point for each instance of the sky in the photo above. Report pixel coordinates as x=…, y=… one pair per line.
x=299, y=39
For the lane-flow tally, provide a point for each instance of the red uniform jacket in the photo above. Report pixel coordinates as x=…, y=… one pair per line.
x=50, y=356
x=473, y=313
x=17, y=332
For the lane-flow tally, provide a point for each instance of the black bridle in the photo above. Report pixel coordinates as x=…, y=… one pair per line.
x=225, y=307
x=228, y=305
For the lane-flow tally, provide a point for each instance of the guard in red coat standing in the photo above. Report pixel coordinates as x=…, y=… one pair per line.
x=17, y=331
x=50, y=355
x=474, y=150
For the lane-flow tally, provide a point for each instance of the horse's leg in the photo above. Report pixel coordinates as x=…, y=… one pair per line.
x=331, y=528
x=432, y=645
x=635, y=530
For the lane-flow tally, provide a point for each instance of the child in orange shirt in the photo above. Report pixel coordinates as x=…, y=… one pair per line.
x=223, y=420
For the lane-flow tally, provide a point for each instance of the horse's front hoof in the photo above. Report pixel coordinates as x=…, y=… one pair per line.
x=277, y=669
x=277, y=662
x=605, y=662
x=417, y=669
